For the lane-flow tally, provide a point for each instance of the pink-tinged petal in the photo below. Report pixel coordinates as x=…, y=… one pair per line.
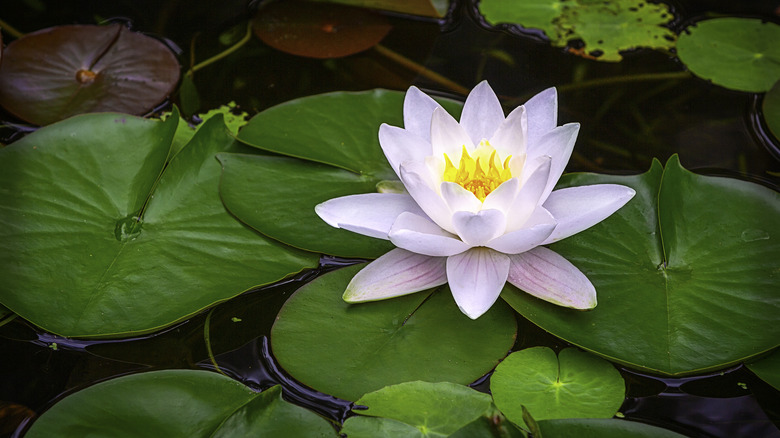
x=448, y=136
x=579, y=208
x=476, y=278
x=542, y=111
x=400, y=145
x=420, y=235
x=558, y=145
x=509, y=138
x=418, y=109
x=529, y=196
x=458, y=198
x=399, y=272
x=482, y=113
x=431, y=203
x=546, y=275
x=503, y=196
x=370, y=214
x=479, y=228
x=537, y=229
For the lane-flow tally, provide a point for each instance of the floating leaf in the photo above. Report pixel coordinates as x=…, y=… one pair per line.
x=177, y=403
x=605, y=28
x=58, y=72
x=318, y=30
x=737, y=53
x=572, y=384
x=602, y=428
x=771, y=109
x=433, y=409
x=686, y=254
x=348, y=350
x=427, y=8
x=76, y=259
x=768, y=369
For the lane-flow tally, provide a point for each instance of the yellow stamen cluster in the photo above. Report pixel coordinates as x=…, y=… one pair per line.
x=472, y=176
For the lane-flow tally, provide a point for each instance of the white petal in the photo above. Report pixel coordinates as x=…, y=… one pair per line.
x=479, y=228
x=529, y=196
x=418, y=109
x=476, y=278
x=579, y=208
x=482, y=113
x=538, y=227
x=546, y=275
x=557, y=144
x=400, y=145
x=396, y=273
x=420, y=235
x=370, y=214
x=447, y=136
x=458, y=198
x=509, y=138
x=431, y=203
x=503, y=196
x=542, y=111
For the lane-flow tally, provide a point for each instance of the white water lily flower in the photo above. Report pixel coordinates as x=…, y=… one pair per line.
x=480, y=204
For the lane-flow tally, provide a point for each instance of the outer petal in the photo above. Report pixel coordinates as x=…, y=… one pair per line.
x=542, y=111
x=458, y=198
x=370, y=214
x=510, y=137
x=396, y=273
x=558, y=144
x=420, y=235
x=579, y=208
x=529, y=196
x=476, y=278
x=431, y=203
x=479, y=228
x=400, y=145
x=482, y=113
x=418, y=109
x=538, y=228
x=546, y=275
x=448, y=136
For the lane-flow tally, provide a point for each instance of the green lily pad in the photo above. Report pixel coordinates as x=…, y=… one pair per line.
x=177, y=403
x=572, y=384
x=768, y=369
x=348, y=350
x=686, y=273
x=86, y=69
x=602, y=428
x=605, y=28
x=282, y=193
x=771, y=109
x=737, y=53
x=340, y=129
x=76, y=259
x=433, y=409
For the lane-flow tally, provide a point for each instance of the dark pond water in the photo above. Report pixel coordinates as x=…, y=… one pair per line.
x=624, y=125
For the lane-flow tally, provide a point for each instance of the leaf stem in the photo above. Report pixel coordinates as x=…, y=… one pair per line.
x=10, y=30
x=207, y=339
x=231, y=49
x=421, y=70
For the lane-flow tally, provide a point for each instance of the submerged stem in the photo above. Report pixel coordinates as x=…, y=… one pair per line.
x=10, y=30
x=224, y=53
x=421, y=70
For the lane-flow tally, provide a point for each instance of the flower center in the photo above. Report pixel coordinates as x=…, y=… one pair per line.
x=480, y=176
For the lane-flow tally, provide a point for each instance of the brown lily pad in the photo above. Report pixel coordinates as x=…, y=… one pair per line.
x=319, y=30
x=55, y=73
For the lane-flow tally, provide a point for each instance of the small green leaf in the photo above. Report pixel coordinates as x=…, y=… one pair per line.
x=737, y=53
x=176, y=403
x=348, y=350
x=768, y=369
x=437, y=409
x=572, y=385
